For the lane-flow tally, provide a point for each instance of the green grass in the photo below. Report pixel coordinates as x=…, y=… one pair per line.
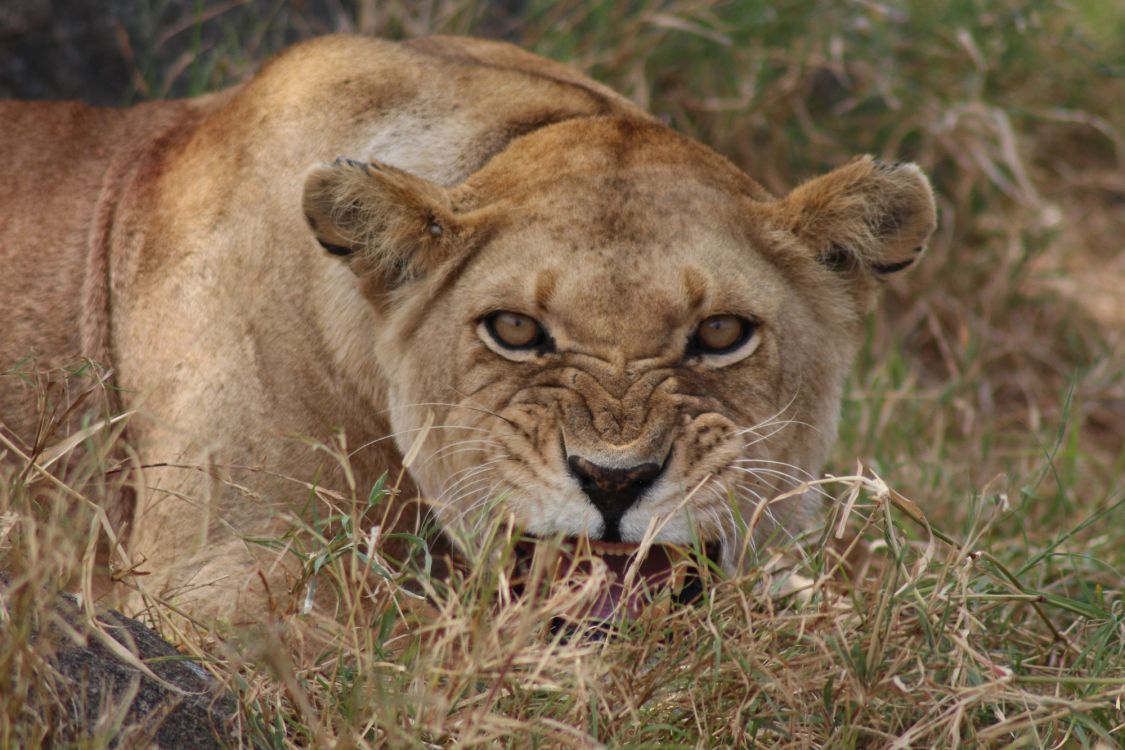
x=987, y=414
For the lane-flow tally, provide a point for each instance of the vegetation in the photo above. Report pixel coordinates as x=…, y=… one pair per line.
x=981, y=448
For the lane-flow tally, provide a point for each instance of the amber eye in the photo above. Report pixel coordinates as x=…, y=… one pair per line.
x=720, y=334
x=514, y=331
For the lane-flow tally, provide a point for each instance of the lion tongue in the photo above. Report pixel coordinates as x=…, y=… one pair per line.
x=651, y=573
x=625, y=587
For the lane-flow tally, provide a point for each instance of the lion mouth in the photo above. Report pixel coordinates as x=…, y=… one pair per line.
x=626, y=578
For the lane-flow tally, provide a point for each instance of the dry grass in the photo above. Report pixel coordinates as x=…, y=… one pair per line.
x=991, y=393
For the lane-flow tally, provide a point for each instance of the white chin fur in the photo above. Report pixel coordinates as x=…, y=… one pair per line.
x=675, y=529
x=566, y=518
x=569, y=519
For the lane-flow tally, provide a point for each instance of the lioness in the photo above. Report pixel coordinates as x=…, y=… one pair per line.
x=611, y=328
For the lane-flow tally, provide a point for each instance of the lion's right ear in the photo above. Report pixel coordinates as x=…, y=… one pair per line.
x=388, y=225
x=866, y=219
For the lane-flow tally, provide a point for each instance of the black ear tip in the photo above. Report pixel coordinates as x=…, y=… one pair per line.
x=886, y=268
x=346, y=161
x=337, y=250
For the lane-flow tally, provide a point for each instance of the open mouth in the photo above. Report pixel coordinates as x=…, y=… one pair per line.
x=626, y=578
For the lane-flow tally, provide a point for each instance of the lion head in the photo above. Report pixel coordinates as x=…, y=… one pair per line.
x=617, y=331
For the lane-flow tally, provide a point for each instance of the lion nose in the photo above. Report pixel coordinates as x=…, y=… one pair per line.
x=613, y=491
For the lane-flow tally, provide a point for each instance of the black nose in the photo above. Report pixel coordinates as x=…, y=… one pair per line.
x=613, y=491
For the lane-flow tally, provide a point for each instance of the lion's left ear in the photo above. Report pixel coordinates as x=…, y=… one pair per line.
x=867, y=217
x=388, y=225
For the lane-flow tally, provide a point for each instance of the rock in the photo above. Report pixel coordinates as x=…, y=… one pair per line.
x=87, y=689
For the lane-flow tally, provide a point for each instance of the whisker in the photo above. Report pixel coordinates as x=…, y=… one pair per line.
x=450, y=404
x=780, y=411
x=463, y=476
x=794, y=467
x=766, y=511
x=794, y=481
x=466, y=491
x=393, y=435
x=470, y=511
x=469, y=441
x=758, y=476
x=778, y=427
x=447, y=451
x=452, y=488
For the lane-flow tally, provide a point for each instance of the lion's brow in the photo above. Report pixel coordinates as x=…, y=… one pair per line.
x=546, y=282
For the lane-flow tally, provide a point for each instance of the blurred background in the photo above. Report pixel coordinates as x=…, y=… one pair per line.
x=1000, y=361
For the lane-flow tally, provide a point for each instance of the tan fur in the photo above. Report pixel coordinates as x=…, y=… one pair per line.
x=172, y=243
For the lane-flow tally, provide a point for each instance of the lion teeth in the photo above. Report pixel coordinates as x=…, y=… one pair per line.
x=613, y=548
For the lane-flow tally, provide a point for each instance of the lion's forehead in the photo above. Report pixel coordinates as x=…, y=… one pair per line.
x=617, y=148
x=623, y=233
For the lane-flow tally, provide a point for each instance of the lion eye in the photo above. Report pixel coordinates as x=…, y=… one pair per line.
x=720, y=334
x=514, y=331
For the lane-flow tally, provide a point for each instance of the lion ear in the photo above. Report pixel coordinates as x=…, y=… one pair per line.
x=867, y=217
x=386, y=224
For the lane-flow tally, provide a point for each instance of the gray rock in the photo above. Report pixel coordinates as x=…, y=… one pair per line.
x=82, y=681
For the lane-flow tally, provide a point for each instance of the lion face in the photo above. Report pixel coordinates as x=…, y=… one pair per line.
x=616, y=332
